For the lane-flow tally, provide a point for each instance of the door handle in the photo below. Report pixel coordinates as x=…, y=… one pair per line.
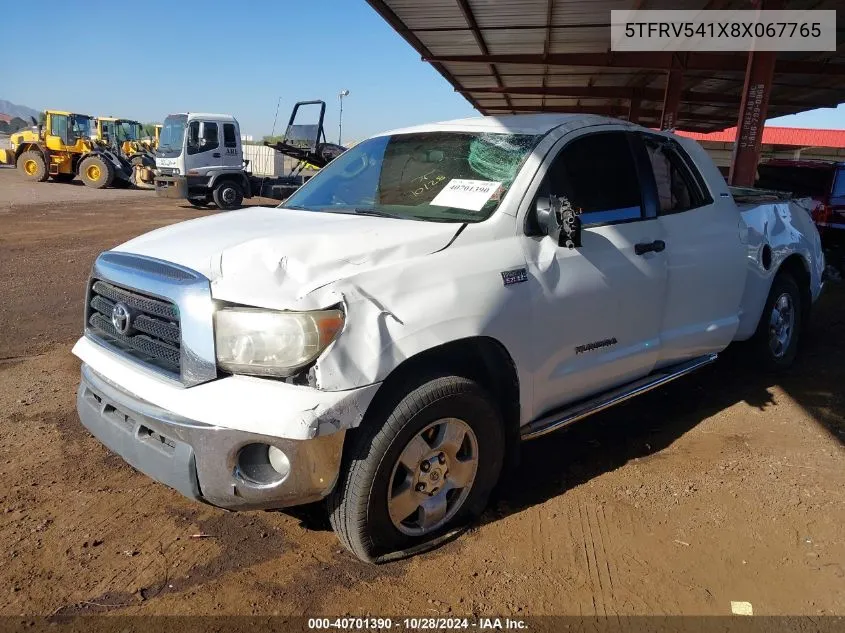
x=216, y=154
x=656, y=246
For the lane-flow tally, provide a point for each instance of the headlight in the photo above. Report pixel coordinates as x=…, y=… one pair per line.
x=267, y=343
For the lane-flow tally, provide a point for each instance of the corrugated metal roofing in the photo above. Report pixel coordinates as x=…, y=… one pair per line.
x=524, y=36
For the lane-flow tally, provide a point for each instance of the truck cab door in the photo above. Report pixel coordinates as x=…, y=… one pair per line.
x=56, y=137
x=705, y=259
x=203, y=147
x=596, y=309
x=232, y=152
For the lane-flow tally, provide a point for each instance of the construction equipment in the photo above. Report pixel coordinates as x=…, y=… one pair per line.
x=151, y=143
x=124, y=137
x=63, y=148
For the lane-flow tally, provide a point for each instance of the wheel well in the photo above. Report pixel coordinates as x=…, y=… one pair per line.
x=480, y=358
x=25, y=147
x=238, y=178
x=797, y=268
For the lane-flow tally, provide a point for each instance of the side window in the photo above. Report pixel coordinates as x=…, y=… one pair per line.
x=678, y=188
x=209, y=137
x=58, y=126
x=839, y=184
x=597, y=174
x=193, y=142
x=229, y=139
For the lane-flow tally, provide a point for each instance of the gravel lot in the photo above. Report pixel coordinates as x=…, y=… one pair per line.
x=16, y=191
x=726, y=486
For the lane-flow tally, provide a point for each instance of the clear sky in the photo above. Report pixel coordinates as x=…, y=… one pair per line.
x=143, y=61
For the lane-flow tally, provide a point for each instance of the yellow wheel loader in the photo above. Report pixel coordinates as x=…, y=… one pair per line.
x=63, y=149
x=124, y=137
x=152, y=143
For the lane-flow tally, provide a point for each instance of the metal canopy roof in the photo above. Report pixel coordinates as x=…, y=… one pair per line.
x=553, y=56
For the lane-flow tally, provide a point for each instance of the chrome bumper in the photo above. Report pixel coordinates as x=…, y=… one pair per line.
x=199, y=460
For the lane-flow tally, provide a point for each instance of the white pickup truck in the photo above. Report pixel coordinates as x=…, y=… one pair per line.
x=387, y=336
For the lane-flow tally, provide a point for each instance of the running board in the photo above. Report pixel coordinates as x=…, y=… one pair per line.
x=567, y=416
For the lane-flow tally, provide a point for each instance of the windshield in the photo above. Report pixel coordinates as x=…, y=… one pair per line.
x=433, y=176
x=80, y=126
x=128, y=131
x=172, y=133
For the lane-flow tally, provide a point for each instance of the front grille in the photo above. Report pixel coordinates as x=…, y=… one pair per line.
x=153, y=334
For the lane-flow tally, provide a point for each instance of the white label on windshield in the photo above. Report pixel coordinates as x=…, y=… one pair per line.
x=466, y=194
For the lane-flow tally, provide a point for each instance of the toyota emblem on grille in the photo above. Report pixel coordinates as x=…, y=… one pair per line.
x=121, y=318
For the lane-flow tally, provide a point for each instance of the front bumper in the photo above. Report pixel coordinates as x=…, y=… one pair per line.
x=200, y=460
x=182, y=186
x=171, y=186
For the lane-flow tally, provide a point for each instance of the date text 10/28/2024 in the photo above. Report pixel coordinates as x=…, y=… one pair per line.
x=419, y=624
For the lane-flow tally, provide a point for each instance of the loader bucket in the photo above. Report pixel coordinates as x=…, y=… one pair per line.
x=143, y=177
x=7, y=157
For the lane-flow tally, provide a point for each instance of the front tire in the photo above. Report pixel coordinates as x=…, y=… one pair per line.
x=96, y=172
x=778, y=334
x=417, y=469
x=228, y=195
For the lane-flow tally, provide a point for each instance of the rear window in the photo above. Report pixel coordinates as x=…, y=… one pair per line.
x=797, y=180
x=229, y=135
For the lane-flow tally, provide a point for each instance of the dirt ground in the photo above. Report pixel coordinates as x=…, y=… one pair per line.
x=726, y=486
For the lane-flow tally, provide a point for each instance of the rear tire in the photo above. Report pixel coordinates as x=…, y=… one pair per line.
x=404, y=485
x=228, y=195
x=777, y=339
x=96, y=172
x=32, y=165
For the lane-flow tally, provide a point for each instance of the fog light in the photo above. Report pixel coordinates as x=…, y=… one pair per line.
x=279, y=461
x=263, y=464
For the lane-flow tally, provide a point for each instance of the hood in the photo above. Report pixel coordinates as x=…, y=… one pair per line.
x=265, y=255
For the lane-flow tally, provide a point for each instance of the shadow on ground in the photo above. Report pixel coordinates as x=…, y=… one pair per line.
x=604, y=442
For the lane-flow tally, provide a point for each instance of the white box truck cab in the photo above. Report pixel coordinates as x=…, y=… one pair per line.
x=389, y=334
x=200, y=158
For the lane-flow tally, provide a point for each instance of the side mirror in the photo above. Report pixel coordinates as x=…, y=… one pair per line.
x=559, y=220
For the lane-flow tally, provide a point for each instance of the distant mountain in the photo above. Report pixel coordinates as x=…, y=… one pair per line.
x=14, y=110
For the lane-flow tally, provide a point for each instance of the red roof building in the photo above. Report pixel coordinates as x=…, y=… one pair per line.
x=790, y=143
x=792, y=136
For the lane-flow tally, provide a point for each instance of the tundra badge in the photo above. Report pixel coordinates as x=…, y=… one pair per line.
x=514, y=276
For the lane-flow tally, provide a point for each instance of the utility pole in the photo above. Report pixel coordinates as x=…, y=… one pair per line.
x=341, y=95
